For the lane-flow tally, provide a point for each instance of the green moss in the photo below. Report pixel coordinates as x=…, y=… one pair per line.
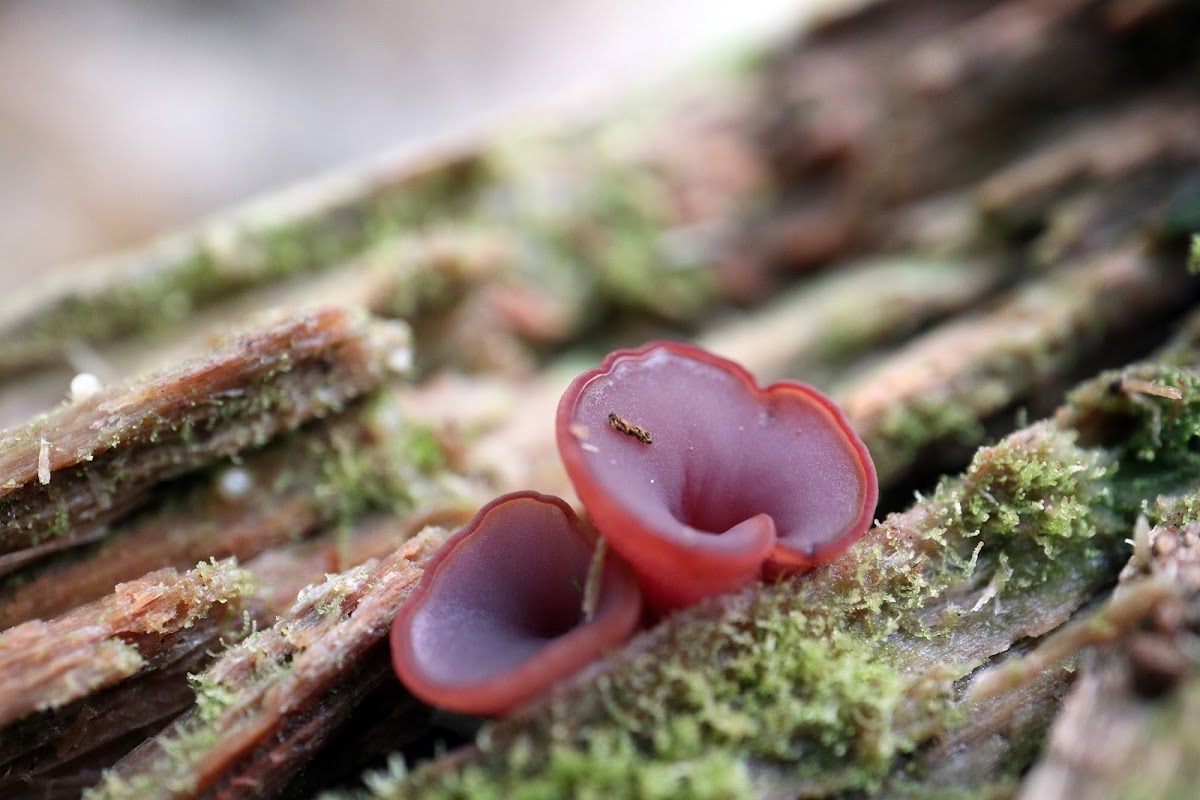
x=173, y=776
x=356, y=478
x=213, y=697
x=1030, y=503
x=260, y=246
x=603, y=769
x=915, y=789
x=623, y=233
x=1194, y=255
x=605, y=236
x=225, y=580
x=61, y=525
x=1168, y=428
x=1152, y=411
x=1175, y=510
x=905, y=429
x=424, y=449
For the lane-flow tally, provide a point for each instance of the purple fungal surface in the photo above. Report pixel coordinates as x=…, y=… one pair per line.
x=498, y=616
x=700, y=478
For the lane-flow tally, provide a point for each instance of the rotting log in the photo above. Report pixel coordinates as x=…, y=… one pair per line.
x=267, y=704
x=1126, y=726
x=99, y=644
x=319, y=479
x=85, y=681
x=916, y=97
x=944, y=385
x=69, y=473
x=306, y=228
x=818, y=328
x=534, y=237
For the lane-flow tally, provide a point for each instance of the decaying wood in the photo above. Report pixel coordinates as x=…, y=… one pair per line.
x=309, y=227
x=1156, y=134
x=81, y=684
x=1127, y=726
x=59, y=754
x=270, y=702
x=69, y=473
x=942, y=385
x=817, y=329
x=321, y=477
x=914, y=97
x=281, y=573
x=46, y=665
x=488, y=242
x=945, y=582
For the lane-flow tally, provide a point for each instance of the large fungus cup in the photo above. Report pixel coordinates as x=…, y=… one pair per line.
x=498, y=616
x=700, y=478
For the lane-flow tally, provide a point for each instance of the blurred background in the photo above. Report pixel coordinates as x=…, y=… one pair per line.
x=119, y=120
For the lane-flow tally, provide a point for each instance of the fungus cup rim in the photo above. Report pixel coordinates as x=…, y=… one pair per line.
x=617, y=616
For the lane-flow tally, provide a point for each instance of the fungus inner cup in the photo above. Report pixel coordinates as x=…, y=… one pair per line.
x=498, y=616
x=732, y=477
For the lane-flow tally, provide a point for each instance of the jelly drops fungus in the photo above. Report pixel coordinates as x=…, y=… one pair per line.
x=699, y=478
x=499, y=616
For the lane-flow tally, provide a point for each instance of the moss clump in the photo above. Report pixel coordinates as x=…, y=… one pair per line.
x=601, y=769
x=424, y=449
x=1174, y=510
x=355, y=480
x=608, y=236
x=1168, y=429
x=1151, y=413
x=623, y=234
x=222, y=580
x=1028, y=504
x=213, y=697
x=375, y=468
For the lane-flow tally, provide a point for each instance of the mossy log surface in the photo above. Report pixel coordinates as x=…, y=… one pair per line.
x=955, y=216
x=273, y=699
x=82, y=683
x=73, y=470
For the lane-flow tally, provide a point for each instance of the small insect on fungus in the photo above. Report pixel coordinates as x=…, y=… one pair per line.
x=622, y=425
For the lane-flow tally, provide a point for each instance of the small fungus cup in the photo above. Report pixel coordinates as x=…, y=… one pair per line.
x=499, y=615
x=700, y=479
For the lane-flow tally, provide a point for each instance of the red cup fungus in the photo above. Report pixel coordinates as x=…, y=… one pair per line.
x=498, y=616
x=700, y=479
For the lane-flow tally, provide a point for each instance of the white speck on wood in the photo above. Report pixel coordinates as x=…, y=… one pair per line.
x=43, y=462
